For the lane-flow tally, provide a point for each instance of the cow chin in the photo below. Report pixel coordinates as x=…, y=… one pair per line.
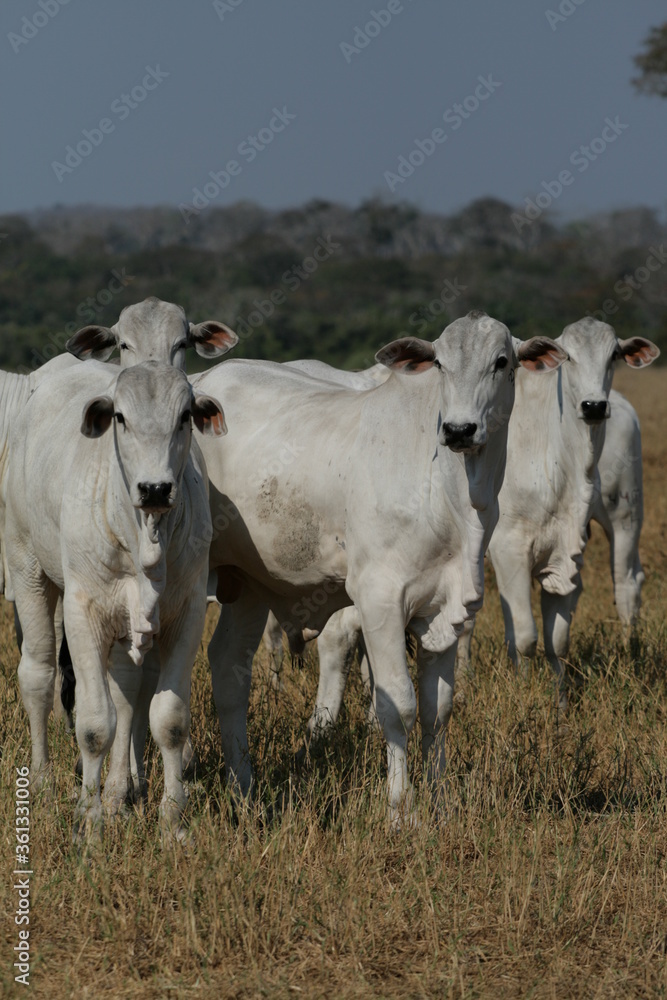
x=467, y=449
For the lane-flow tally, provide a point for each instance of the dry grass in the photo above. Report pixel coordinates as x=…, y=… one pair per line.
x=548, y=880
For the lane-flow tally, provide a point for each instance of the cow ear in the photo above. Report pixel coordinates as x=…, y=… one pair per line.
x=95, y=342
x=211, y=339
x=97, y=416
x=638, y=352
x=208, y=416
x=409, y=354
x=539, y=354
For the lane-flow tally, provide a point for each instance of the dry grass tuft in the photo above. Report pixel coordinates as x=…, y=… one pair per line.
x=547, y=878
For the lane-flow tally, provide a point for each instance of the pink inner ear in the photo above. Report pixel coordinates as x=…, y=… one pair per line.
x=218, y=336
x=218, y=423
x=545, y=361
x=413, y=366
x=639, y=357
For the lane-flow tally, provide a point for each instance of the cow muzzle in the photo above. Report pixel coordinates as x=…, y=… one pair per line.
x=594, y=411
x=460, y=437
x=155, y=498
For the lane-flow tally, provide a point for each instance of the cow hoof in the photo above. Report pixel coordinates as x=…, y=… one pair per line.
x=176, y=835
x=116, y=807
x=88, y=828
x=404, y=816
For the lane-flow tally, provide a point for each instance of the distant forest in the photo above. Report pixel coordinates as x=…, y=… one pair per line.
x=325, y=281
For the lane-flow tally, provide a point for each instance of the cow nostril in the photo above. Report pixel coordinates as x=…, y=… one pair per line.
x=154, y=494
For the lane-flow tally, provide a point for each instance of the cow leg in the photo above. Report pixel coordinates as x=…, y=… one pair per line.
x=150, y=672
x=626, y=570
x=37, y=669
x=336, y=646
x=513, y=577
x=556, y=617
x=170, y=711
x=124, y=684
x=230, y=652
x=95, y=712
x=436, y=698
x=393, y=696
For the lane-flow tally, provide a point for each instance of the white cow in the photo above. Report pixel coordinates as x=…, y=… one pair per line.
x=552, y=485
x=323, y=496
x=121, y=531
x=151, y=330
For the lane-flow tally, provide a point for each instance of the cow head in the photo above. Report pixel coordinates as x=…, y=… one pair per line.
x=152, y=331
x=476, y=358
x=593, y=347
x=152, y=410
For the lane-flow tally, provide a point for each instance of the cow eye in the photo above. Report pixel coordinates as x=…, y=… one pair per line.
x=120, y=419
x=181, y=345
x=186, y=416
x=501, y=363
x=123, y=346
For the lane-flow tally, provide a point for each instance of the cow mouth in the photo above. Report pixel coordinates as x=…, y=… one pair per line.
x=147, y=508
x=595, y=421
x=461, y=448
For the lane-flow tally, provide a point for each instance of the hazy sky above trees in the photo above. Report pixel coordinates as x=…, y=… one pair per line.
x=434, y=102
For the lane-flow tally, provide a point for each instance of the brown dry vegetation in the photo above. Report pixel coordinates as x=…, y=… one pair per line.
x=547, y=880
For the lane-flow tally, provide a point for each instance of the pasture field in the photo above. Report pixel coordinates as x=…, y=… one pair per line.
x=548, y=878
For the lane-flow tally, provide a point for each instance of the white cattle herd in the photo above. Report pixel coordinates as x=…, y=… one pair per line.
x=363, y=500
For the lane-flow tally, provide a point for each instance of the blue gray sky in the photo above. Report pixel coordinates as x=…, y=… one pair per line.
x=218, y=71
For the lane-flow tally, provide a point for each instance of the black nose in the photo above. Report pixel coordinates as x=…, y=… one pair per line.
x=154, y=494
x=458, y=433
x=594, y=409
